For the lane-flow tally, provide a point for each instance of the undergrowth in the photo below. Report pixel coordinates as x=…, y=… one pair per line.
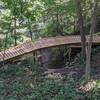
x=26, y=81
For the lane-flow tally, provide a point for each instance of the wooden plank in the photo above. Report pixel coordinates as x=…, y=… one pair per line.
x=29, y=46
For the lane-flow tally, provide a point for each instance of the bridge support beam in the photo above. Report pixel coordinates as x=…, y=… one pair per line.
x=46, y=57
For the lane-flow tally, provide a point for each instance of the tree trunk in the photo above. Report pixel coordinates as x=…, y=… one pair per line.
x=89, y=47
x=81, y=28
x=5, y=44
x=15, y=30
x=30, y=29
x=31, y=37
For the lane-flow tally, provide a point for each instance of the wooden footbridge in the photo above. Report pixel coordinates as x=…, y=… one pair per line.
x=29, y=46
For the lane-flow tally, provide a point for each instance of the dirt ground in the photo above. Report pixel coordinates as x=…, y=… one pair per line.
x=76, y=71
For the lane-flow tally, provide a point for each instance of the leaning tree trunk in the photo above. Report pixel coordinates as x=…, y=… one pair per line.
x=89, y=47
x=81, y=28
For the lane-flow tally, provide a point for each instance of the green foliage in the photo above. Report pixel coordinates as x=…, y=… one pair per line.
x=50, y=30
x=26, y=81
x=13, y=88
x=40, y=18
x=43, y=18
x=78, y=59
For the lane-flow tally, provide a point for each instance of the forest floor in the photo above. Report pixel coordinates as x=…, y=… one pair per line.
x=17, y=80
x=77, y=70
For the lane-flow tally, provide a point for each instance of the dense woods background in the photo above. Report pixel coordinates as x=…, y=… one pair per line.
x=22, y=20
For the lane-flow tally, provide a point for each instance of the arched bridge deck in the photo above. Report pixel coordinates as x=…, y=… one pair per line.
x=39, y=44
